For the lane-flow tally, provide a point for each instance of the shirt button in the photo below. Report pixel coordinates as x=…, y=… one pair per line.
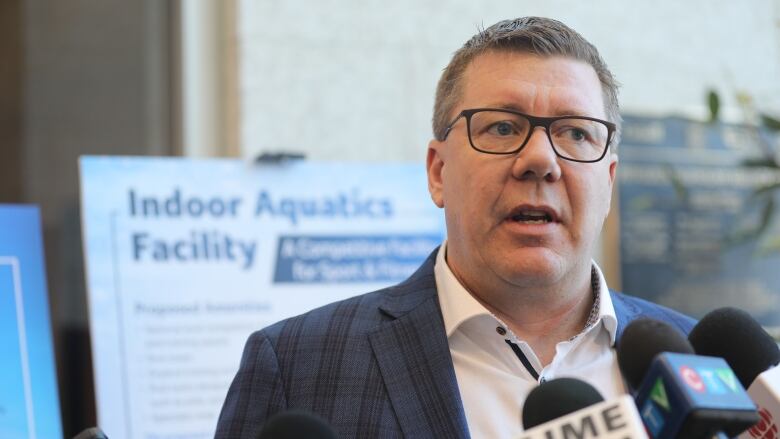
x=500, y=330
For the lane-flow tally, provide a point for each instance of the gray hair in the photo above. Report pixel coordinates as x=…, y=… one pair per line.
x=535, y=35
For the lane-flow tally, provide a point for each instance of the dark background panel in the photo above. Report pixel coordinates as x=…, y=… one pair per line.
x=79, y=77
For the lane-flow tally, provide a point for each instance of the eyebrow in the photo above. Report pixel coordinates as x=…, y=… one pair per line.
x=513, y=107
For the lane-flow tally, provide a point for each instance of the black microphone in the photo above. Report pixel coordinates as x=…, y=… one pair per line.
x=296, y=424
x=91, y=433
x=572, y=408
x=641, y=342
x=555, y=398
x=737, y=337
x=679, y=394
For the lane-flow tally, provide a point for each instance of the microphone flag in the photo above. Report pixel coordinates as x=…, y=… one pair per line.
x=615, y=418
x=693, y=396
x=765, y=392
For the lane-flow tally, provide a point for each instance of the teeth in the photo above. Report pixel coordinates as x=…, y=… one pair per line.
x=532, y=217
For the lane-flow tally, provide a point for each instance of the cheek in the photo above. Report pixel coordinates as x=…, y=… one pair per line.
x=482, y=188
x=461, y=181
x=591, y=198
x=600, y=199
x=471, y=194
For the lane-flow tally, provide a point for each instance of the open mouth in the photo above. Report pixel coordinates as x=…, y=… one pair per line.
x=532, y=216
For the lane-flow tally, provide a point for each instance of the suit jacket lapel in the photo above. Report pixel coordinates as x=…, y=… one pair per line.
x=625, y=313
x=415, y=362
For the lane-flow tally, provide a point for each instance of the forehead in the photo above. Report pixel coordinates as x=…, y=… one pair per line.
x=542, y=86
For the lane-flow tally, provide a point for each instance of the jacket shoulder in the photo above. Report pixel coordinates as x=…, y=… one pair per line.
x=358, y=315
x=629, y=308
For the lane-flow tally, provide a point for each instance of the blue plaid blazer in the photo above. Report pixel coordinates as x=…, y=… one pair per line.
x=374, y=366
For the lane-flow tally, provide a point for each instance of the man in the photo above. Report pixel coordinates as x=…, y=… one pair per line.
x=524, y=158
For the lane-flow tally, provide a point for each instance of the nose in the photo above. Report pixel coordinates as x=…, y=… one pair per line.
x=537, y=159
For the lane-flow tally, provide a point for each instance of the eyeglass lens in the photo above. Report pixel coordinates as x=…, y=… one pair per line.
x=500, y=132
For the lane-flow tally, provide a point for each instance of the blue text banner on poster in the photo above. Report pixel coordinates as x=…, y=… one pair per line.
x=305, y=259
x=185, y=258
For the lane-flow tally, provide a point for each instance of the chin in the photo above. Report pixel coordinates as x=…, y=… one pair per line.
x=535, y=271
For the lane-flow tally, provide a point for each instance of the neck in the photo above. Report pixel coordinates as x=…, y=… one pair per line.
x=541, y=316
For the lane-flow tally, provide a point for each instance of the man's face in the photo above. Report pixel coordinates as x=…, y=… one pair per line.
x=488, y=249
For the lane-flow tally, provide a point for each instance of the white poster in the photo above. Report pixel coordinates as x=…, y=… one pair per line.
x=185, y=258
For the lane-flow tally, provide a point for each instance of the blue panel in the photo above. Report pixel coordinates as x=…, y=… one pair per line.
x=13, y=401
x=29, y=402
x=690, y=210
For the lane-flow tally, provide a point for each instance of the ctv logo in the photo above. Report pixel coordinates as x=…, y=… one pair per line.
x=707, y=380
x=766, y=427
x=657, y=409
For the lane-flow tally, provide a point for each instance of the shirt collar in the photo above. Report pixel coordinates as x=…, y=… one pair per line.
x=606, y=313
x=459, y=306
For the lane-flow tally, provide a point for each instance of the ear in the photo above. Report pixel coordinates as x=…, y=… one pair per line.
x=613, y=162
x=435, y=166
x=613, y=169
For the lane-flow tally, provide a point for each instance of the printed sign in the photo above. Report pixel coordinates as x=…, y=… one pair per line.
x=699, y=216
x=185, y=258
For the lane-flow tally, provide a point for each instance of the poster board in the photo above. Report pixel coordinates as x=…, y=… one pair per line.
x=699, y=228
x=185, y=258
x=29, y=401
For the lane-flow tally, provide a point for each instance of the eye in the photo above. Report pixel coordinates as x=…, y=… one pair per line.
x=502, y=128
x=577, y=134
x=573, y=133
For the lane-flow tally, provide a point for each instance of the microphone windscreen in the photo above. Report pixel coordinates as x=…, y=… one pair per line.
x=296, y=424
x=91, y=433
x=735, y=336
x=556, y=398
x=642, y=340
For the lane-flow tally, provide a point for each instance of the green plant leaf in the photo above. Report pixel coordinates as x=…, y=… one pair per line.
x=766, y=215
x=770, y=122
x=745, y=234
x=763, y=162
x=679, y=187
x=770, y=247
x=740, y=237
x=713, y=101
x=765, y=190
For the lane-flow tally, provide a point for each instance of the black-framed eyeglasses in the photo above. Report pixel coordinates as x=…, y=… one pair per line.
x=498, y=131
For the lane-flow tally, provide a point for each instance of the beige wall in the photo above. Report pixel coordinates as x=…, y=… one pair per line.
x=354, y=80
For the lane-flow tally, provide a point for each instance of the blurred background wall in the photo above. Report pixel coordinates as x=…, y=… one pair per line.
x=336, y=80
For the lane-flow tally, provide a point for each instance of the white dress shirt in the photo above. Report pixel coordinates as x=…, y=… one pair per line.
x=492, y=379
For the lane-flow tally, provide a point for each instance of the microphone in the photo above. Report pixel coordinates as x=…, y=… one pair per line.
x=555, y=398
x=735, y=336
x=296, y=424
x=681, y=394
x=641, y=342
x=571, y=408
x=91, y=433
